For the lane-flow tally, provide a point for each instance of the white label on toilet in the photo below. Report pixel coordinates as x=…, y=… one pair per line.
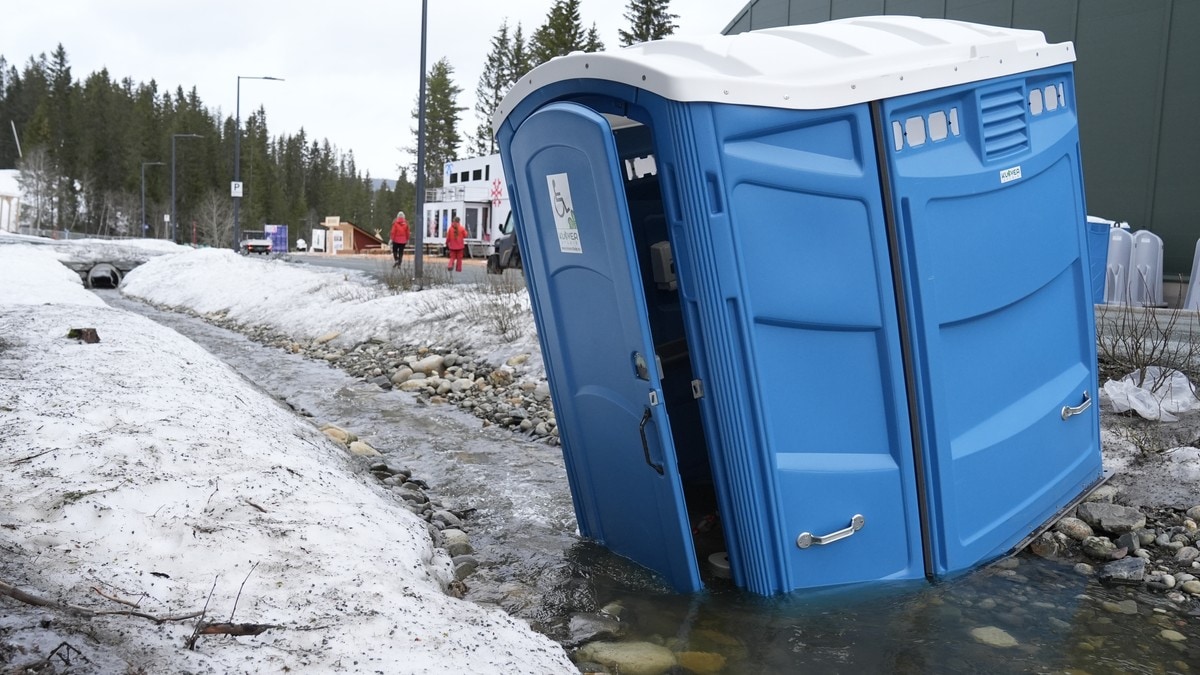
x=564, y=213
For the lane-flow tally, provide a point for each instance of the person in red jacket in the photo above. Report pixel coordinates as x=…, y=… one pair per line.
x=399, y=237
x=456, y=241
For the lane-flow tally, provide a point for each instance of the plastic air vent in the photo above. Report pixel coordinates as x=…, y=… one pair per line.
x=1004, y=127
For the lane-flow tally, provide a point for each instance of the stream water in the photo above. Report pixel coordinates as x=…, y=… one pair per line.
x=535, y=567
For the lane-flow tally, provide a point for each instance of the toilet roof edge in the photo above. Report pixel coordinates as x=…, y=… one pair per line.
x=807, y=67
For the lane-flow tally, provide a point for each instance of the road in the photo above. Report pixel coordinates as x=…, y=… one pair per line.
x=380, y=265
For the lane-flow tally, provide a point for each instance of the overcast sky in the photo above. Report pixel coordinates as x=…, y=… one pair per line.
x=351, y=68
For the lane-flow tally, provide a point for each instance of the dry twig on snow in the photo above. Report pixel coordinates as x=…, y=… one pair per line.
x=30, y=599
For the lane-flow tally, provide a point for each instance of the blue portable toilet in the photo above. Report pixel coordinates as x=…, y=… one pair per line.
x=822, y=288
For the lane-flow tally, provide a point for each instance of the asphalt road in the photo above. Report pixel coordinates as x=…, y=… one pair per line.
x=380, y=265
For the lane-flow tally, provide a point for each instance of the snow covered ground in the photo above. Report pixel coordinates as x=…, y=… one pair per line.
x=143, y=475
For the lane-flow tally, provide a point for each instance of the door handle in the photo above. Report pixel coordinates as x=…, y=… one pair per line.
x=646, y=444
x=1068, y=411
x=807, y=539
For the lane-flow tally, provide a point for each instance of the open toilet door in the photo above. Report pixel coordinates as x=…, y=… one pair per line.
x=586, y=290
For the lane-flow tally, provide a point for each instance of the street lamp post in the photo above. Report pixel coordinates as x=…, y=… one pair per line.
x=175, y=223
x=235, y=189
x=144, y=165
x=419, y=206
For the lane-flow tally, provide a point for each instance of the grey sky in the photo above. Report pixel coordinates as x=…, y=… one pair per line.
x=351, y=68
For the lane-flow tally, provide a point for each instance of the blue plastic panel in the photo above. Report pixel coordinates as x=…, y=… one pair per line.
x=574, y=230
x=988, y=197
x=803, y=283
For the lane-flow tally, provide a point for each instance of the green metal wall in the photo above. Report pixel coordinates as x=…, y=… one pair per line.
x=1138, y=85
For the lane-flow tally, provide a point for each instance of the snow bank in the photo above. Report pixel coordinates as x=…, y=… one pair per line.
x=143, y=469
x=307, y=302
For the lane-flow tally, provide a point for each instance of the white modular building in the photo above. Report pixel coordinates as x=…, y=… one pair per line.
x=475, y=191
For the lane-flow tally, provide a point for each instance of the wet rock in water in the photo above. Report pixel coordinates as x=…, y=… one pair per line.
x=444, y=519
x=338, y=434
x=1099, y=548
x=1047, y=546
x=1074, y=528
x=1130, y=570
x=1084, y=569
x=414, y=496
x=584, y=628
x=1172, y=635
x=1122, y=607
x=993, y=637
x=701, y=662
x=629, y=658
x=401, y=375
x=1190, y=587
x=456, y=541
x=464, y=565
x=362, y=449
x=1111, y=518
x=382, y=382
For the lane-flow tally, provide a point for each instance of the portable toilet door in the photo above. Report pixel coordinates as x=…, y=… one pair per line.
x=815, y=387
x=1001, y=334
x=593, y=325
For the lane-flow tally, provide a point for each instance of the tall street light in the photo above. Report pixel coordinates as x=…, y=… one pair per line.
x=174, y=222
x=419, y=206
x=235, y=190
x=144, y=165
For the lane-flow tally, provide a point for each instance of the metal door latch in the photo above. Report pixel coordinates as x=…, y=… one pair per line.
x=807, y=539
x=1069, y=411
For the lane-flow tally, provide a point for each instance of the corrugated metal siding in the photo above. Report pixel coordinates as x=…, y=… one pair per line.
x=1136, y=85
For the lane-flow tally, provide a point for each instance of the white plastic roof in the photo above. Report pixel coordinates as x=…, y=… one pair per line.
x=808, y=67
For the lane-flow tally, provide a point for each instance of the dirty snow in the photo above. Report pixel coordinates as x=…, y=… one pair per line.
x=309, y=302
x=143, y=469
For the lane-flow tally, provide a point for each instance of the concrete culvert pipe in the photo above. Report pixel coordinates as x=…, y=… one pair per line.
x=104, y=275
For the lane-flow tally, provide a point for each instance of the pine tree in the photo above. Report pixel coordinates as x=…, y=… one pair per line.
x=520, y=61
x=648, y=20
x=591, y=41
x=494, y=82
x=441, y=120
x=563, y=33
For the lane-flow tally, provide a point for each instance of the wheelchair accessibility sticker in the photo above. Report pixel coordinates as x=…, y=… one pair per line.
x=564, y=213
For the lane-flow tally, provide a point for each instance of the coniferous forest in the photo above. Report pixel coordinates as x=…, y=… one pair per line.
x=88, y=146
x=85, y=144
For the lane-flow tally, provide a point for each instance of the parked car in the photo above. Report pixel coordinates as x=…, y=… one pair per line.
x=508, y=254
x=254, y=242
